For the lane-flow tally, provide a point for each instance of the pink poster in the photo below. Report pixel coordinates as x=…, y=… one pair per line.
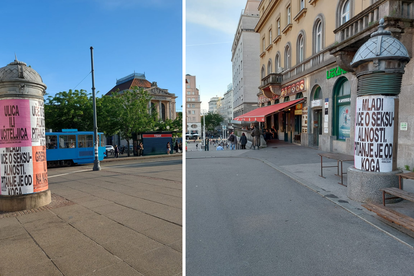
x=22, y=135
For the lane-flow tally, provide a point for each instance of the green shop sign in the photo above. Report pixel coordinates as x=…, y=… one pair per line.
x=335, y=72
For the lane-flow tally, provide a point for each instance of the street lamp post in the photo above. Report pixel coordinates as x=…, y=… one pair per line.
x=96, y=165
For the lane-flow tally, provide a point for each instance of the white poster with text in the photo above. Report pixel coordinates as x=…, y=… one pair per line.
x=374, y=133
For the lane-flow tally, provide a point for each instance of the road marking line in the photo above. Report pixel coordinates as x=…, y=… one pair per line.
x=69, y=173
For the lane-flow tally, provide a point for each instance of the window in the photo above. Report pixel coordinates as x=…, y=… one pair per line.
x=270, y=36
x=269, y=66
x=300, y=48
x=263, y=72
x=51, y=141
x=263, y=44
x=192, y=105
x=67, y=141
x=302, y=4
x=317, y=94
x=277, y=62
x=189, y=111
x=318, y=36
x=288, y=15
x=299, y=95
x=287, y=56
x=163, y=111
x=286, y=99
x=344, y=89
x=193, y=112
x=345, y=12
x=278, y=27
x=342, y=108
x=188, y=105
x=85, y=141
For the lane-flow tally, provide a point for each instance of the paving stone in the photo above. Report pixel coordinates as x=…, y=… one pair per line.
x=159, y=262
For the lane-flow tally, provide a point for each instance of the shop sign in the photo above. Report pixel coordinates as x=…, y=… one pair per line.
x=346, y=100
x=325, y=129
x=264, y=99
x=316, y=103
x=298, y=109
x=293, y=89
x=305, y=119
x=335, y=72
x=374, y=133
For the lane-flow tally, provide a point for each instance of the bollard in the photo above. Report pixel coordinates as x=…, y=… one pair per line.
x=23, y=165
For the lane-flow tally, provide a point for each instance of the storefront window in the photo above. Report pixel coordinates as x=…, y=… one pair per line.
x=342, y=109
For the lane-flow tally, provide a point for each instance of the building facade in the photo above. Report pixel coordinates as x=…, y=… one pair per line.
x=192, y=101
x=228, y=105
x=162, y=100
x=212, y=104
x=306, y=50
x=245, y=60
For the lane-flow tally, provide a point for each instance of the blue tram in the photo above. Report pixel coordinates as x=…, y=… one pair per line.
x=72, y=147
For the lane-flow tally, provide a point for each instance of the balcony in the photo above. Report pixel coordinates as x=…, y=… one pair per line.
x=271, y=84
x=352, y=34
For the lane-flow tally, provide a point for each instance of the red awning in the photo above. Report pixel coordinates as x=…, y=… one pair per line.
x=259, y=114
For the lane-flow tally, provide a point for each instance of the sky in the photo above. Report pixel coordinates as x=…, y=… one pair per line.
x=54, y=37
x=210, y=29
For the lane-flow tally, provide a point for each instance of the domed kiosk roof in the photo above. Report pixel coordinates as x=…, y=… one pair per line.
x=18, y=71
x=381, y=45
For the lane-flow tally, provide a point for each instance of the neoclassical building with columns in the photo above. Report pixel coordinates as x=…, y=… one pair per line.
x=162, y=100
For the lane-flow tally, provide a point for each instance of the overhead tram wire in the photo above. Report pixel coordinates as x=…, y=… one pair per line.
x=82, y=80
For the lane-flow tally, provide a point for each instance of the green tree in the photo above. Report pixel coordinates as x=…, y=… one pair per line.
x=212, y=120
x=132, y=113
x=72, y=109
x=175, y=125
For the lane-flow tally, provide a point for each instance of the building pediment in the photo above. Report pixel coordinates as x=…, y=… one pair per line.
x=159, y=91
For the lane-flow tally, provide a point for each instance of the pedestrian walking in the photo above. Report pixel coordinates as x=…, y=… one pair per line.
x=207, y=144
x=233, y=141
x=141, y=149
x=116, y=151
x=168, y=148
x=243, y=141
x=256, y=136
x=176, y=147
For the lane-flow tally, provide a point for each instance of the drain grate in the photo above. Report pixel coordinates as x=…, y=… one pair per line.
x=57, y=201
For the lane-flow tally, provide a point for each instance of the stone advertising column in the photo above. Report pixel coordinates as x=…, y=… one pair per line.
x=23, y=165
x=379, y=66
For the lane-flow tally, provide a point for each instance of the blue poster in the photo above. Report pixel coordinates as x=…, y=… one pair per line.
x=344, y=126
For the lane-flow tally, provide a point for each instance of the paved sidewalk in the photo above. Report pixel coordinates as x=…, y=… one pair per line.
x=303, y=164
x=123, y=220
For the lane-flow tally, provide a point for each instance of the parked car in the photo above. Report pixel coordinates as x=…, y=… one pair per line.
x=110, y=149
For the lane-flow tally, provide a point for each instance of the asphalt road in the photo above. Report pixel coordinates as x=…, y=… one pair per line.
x=245, y=218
